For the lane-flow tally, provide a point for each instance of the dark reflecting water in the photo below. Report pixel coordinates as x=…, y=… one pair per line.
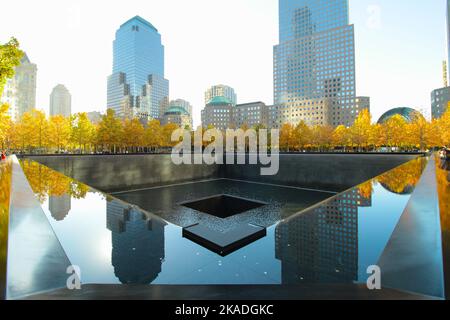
x=113, y=242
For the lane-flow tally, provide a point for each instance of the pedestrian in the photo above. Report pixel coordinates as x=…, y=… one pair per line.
x=3, y=155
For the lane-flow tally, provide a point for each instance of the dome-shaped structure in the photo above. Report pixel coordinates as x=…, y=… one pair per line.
x=406, y=113
x=176, y=110
x=219, y=101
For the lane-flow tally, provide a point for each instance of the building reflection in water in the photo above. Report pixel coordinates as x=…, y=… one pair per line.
x=321, y=245
x=137, y=244
x=59, y=206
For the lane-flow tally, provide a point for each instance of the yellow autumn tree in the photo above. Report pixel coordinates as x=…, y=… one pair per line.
x=341, y=137
x=321, y=137
x=59, y=132
x=5, y=124
x=393, y=132
x=153, y=134
x=287, y=137
x=361, y=129
x=302, y=135
x=133, y=134
x=110, y=131
x=167, y=134
x=82, y=132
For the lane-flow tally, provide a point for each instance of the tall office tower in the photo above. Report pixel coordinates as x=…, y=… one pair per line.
x=20, y=90
x=137, y=243
x=314, y=63
x=60, y=101
x=221, y=90
x=59, y=206
x=137, y=87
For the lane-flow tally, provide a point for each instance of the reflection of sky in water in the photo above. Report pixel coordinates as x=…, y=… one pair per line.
x=376, y=225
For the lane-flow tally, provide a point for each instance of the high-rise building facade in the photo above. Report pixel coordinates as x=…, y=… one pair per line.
x=362, y=103
x=137, y=86
x=60, y=101
x=314, y=63
x=250, y=114
x=440, y=99
x=221, y=90
x=20, y=91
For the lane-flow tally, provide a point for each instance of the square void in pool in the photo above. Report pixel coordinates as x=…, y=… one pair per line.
x=223, y=206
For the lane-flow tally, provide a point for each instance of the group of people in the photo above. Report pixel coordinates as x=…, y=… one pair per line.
x=444, y=153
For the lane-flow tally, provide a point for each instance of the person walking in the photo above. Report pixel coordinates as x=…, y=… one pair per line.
x=3, y=155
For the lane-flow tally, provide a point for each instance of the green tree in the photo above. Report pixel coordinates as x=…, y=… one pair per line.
x=10, y=56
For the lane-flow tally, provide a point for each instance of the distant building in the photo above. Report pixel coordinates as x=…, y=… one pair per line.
x=137, y=87
x=314, y=63
x=94, y=116
x=59, y=206
x=60, y=101
x=20, y=91
x=221, y=91
x=137, y=244
x=250, y=114
x=181, y=103
x=312, y=112
x=218, y=113
x=407, y=114
x=362, y=103
x=177, y=115
x=439, y=102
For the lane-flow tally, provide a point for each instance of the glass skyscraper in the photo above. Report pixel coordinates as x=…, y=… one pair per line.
x=137, y=86
x=314, y=63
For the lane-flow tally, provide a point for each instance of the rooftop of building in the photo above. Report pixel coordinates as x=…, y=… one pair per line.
x=219, y=100
x=406, y=113
x=176, y=110
x=250, y=103
x=141, y=20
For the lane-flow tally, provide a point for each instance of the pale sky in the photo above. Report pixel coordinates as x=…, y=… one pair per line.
x=400, y=45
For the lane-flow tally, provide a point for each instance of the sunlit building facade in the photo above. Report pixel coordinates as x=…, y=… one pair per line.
x=250, y=114
x=314, y=63
x=137, y=86
x=20, y=91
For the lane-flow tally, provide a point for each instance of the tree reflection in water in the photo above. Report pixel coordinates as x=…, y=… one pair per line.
x=46, y=182
x=403, y=180
x=5, y=192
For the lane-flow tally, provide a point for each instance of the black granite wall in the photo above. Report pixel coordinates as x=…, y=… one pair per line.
x=333, y=172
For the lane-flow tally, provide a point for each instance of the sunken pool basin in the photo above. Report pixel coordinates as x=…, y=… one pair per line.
x=226, y=227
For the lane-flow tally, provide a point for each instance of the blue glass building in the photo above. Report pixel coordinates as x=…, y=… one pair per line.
x=137, y=86
x=314, y=63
